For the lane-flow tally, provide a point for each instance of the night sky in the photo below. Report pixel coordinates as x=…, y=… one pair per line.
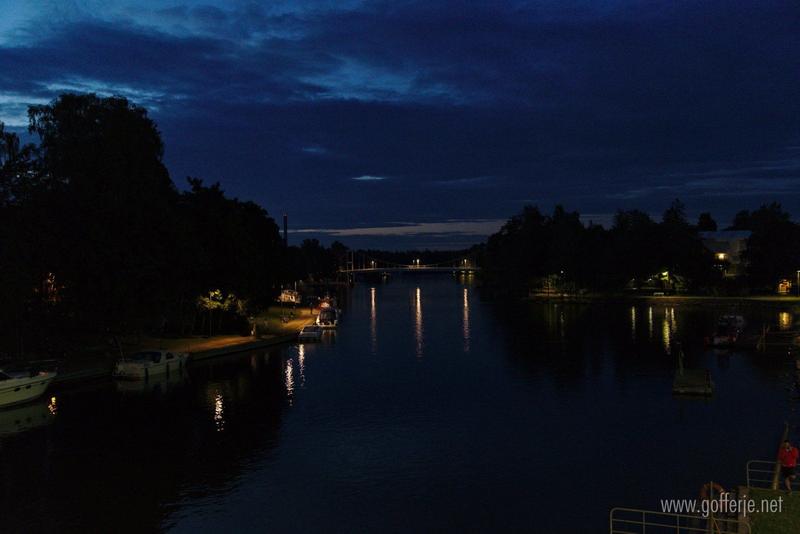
x=398, y=124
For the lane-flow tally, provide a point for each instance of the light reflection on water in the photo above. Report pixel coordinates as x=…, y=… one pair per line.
x=373, y=320
x=301, y=362
x=465, y=319
x=669, y=328
x=289, y=374
x=219, y=412
x=785, y=320
x=25, y=417
x=418, y=322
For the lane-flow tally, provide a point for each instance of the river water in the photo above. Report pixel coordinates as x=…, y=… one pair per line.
x=429, y=409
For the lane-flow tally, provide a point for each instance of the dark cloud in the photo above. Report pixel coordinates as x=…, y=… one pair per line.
x=468, y=108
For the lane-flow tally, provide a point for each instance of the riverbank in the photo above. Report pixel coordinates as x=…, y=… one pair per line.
x=281, y=326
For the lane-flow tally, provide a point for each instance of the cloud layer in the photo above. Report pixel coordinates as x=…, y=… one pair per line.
x=470, y=110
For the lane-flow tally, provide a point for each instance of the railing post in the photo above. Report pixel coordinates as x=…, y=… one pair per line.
x=747, y=469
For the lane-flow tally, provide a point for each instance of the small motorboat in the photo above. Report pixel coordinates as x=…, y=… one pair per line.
x=734, y=321
x=310, y=332
x=328, y=317
x=142, y=365
x=729, y=329
x=22, y=385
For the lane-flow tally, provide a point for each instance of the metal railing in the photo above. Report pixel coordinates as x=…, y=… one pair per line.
x=637, y=521
x=762, y=474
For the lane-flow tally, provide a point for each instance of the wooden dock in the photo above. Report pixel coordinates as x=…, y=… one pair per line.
x=693, y=382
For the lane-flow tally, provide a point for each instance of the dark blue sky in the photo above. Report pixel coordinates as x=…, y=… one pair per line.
x=398, y=123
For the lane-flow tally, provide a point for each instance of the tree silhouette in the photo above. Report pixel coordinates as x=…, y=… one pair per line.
x=706, y=223
x=94, y=236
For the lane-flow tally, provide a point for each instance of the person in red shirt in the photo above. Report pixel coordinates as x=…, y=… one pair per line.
x=787, y=456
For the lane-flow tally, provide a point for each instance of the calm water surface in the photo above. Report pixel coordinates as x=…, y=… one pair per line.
x=429, y=409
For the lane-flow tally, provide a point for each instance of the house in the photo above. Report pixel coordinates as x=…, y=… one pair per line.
x=727, y=247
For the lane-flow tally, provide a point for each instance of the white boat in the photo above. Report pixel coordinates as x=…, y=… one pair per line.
x=143, y=365
x=328, y=317
x=311, y=332
x=19, y=386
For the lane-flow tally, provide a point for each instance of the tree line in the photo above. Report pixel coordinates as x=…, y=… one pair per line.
x=533, y=249
x=96, y=237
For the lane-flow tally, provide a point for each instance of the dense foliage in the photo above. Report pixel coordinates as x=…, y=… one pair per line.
x=773, y=249
x=95, y=237
x=533, y=248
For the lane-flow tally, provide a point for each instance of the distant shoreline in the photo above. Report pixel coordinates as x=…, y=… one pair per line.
x=772, y=300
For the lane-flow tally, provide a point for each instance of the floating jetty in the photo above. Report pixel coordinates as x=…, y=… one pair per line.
x=693, y=382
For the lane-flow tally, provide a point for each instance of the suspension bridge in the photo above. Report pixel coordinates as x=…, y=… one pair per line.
x=362, y=263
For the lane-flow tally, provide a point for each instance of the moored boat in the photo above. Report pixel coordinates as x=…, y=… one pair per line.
x=310, y=333
x=18, y=386
x=729, y=330
x=142, y=365
x=328, y=317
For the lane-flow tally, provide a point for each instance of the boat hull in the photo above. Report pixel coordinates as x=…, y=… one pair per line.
x=328, y=323
x=129, y=370
x=21, y=390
